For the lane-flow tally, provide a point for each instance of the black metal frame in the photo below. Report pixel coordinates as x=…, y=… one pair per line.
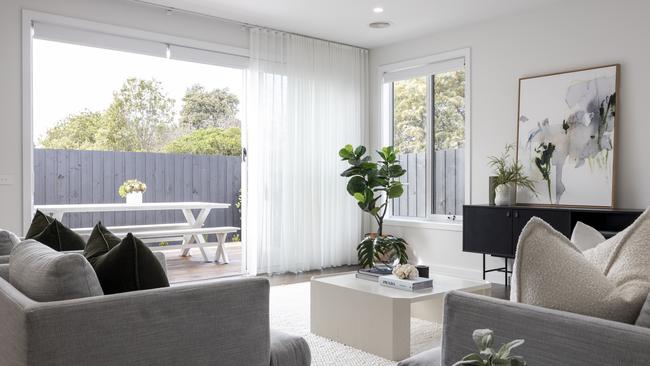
x=500, y=269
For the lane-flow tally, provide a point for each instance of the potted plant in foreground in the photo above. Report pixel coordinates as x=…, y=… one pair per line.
x=373, y=185
x=509, y=175
x=489, y=356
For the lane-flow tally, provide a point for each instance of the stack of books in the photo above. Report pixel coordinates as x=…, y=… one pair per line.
x=373, y=274
x=384, y=277
x=417, y=284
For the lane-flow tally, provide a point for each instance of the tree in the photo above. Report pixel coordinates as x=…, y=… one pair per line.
x=410, y=109
x=208, y=141
x=409, y=115
x=140, y=117
x=449, y=101
x=203, y=109
x=75, y=132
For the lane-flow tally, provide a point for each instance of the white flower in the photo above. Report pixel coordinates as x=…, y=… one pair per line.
x=405, y=271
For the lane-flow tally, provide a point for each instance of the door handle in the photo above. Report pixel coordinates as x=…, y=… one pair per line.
x=508, y=213
x=516, y=214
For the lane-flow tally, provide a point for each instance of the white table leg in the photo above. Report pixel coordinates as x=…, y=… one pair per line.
x=221, y=251
x=195, y=222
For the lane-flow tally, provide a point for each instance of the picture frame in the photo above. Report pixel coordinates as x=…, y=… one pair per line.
x=566, y=136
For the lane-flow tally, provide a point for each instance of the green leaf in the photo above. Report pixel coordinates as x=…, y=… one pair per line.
x=395, y=190
x=346, y=152
x=396, y=171
x=356, y=184
x=359, y=151
x=483, y=338
x=359, y=197
x=505, y=349
x=353, y=170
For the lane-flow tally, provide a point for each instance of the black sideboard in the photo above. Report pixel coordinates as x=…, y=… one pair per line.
x=494, y=230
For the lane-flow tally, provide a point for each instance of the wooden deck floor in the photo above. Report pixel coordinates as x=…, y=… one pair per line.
x=193, y=268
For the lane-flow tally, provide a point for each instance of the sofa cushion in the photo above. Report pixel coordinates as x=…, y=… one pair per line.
x=586, y=237
x=40, y=221
x=426, y=358
x=644, y=316
x=550, y=271
x=55, y=235
x=8, y=241
x=43, y=274
x=289, y=350
x=100, y=241
x=124, y=265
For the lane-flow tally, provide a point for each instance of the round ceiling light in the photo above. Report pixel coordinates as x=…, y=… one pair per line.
x=379, y=25
x=378, y=10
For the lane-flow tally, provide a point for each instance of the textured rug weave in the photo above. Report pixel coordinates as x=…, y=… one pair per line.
x=290, y=313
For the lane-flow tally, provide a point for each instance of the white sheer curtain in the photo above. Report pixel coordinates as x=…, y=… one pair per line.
x=306, y=98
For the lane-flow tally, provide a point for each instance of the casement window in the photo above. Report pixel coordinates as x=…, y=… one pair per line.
x=425, y=116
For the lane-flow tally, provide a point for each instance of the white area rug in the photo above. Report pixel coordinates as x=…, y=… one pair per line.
x=290, y=313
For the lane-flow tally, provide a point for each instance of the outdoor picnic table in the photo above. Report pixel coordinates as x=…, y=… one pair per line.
x=192, y=230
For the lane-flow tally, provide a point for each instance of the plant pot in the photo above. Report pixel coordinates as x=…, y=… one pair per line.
x=134, y=198
x=505, y=195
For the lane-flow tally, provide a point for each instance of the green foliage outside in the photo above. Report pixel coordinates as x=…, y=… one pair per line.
x=410, y=112
x=207, y=141
x=141, y=118
x=203, y=109
x=76, y=132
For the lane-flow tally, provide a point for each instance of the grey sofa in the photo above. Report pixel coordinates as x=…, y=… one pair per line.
x=209, y=323
x=552, y=337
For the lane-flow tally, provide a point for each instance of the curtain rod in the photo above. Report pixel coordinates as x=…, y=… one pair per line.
x=243, y=24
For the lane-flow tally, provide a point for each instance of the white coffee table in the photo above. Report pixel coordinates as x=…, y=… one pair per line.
x=374, y=318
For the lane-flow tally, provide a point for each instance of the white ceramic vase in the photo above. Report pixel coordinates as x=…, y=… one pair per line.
x=505, y=195
x=134, y=198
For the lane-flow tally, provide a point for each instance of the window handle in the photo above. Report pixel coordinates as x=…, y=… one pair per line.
x=244, y=154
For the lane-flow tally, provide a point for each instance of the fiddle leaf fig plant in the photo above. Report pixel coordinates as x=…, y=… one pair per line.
x=487, y=356
x=373, y=184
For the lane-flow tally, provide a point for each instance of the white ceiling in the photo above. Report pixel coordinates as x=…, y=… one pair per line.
x=347, y=21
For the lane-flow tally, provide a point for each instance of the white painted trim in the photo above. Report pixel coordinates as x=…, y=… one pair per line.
x=28, y=18
x=424, y=224
x=385, y=127
x=28, y=152
x=35, y=16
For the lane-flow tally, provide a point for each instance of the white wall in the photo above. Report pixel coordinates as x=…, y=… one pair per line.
x=117, y=12
x=562, y=36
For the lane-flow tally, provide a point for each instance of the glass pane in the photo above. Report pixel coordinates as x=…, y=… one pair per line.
x=449, y=141
x=410, y=140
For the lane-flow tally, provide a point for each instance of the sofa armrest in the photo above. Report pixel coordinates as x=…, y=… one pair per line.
x=219, y=322
x=552, y=337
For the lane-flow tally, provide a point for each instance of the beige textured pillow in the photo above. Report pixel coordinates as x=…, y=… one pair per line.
x=586, y=237
x=550, y=271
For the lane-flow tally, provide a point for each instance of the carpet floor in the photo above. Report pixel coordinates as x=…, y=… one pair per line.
x=290, y=313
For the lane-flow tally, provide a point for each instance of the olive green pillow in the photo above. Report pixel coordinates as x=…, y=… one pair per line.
x=54, y=234
x=39, y=223
x=123, y=265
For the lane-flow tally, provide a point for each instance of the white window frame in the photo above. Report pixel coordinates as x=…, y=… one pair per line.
x=436, y=221
x=206, y=51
